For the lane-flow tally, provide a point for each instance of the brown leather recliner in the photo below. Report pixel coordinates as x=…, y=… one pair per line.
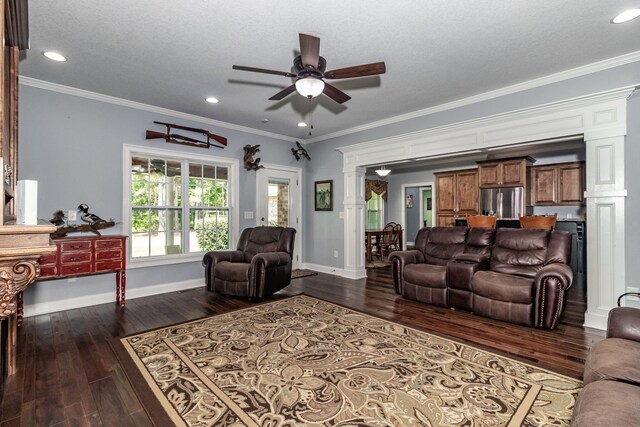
x=527, y=277
x=260, y=266
x=421, y=274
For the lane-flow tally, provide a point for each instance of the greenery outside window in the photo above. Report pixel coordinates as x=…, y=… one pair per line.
x=177, y=205
x=375, y=212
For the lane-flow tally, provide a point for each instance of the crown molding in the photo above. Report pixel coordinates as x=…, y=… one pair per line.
x=68, y=90
x=507, y=90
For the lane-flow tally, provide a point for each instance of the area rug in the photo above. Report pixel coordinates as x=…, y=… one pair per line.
x=298, y=273
x=302, y=361
x=378, y=264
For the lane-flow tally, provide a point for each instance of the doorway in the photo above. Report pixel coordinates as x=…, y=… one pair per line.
x=279, y=202
x=417, y=211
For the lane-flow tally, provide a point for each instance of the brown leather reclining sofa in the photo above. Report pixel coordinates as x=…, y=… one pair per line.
x=511, y=274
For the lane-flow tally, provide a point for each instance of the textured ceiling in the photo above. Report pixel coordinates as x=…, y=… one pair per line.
x=173, y=54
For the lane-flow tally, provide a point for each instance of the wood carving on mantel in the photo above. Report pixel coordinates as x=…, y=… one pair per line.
x=93, y=223
x=14, y=278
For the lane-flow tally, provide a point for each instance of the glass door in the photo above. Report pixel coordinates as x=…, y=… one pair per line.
x=279, y=203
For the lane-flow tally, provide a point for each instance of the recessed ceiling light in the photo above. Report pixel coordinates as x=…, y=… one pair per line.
x=212, y=100
x=54, y=56
x=302, y=125
x=626, y=16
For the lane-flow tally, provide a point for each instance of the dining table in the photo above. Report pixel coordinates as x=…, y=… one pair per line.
x=370, y=234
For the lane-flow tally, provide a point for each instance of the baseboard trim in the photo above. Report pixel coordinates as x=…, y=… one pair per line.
x=86, y=301
x=324, y=269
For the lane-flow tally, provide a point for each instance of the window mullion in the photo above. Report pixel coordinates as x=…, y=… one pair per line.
x=185, y=207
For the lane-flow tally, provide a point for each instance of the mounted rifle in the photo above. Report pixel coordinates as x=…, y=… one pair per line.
x=219, y=139
x=175, y=138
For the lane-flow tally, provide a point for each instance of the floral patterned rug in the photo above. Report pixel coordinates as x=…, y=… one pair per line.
x=302, y=361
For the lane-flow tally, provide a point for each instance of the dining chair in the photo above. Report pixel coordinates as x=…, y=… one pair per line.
x=390, y=239
x=547, y=222
x=481, y=221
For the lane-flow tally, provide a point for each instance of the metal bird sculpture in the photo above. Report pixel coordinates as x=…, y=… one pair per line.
x=300, y=152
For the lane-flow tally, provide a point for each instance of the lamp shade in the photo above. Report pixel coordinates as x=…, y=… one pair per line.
x=309, y=87
x=382, y=171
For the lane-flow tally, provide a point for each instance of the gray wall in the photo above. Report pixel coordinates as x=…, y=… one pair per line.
x=73, y=147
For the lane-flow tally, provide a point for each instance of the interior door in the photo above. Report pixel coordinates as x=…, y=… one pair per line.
x=279, y=203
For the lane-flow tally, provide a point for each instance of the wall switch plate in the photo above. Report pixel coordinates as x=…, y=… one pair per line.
x=335, y=254
x=72, y=215
x=248, y=215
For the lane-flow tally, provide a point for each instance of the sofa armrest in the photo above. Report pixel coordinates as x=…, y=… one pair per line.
x=400, y=259
x=624, y=322
x=550, y=283
x=470, y=258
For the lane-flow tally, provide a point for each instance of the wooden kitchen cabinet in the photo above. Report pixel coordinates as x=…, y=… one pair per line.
x=456, y=195
x=503, y=173
x=559, y=184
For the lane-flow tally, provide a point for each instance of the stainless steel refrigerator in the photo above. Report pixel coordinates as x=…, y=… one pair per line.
x=506, y=202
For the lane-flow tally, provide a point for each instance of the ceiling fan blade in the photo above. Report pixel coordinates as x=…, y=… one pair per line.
x=262, y=70
x=278, y=96
x=335, y=93
x=309, y=50
x=357, y=71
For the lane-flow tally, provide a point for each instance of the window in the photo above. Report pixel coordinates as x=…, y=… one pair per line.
x=177, y=205
x=375, y=212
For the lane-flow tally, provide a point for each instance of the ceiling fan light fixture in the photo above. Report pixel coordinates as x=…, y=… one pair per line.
x=309, y=87
x=626, y=16
x=383, y=171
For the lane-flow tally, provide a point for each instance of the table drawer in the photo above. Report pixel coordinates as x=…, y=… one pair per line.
x=112, y=254
x=49, y=259
x=109, y=265
x=72, y=257
x=48, y=271
x=72, y=269
x=108, y=244
x=76, y=245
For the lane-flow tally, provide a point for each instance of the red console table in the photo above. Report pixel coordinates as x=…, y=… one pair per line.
x=82, y=256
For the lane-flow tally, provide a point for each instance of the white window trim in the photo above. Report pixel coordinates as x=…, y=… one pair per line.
x=234, y=200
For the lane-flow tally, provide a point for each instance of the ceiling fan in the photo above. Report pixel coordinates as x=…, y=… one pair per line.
x=310, y=76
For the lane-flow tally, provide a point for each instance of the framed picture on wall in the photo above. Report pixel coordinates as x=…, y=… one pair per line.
x=409, y=201
x=323, y=195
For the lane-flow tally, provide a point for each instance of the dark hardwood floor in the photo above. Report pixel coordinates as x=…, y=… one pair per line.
x=68, y=374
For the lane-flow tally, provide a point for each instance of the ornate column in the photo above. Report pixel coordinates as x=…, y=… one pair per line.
x=354, y=222
x=605, y=197
x=16, y=273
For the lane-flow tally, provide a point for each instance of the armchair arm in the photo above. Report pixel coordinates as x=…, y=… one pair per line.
x=269, y=272
x=624, y=322
x=210, y=260
x=550, y=283
x=399, y=259
x=270, y=259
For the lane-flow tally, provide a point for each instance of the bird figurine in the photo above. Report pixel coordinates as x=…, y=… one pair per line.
x=59, y=219
x=249, y=162
x=87, y=216
x=300, y=152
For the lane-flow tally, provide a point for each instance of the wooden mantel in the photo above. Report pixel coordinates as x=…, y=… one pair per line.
x=20, y=248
